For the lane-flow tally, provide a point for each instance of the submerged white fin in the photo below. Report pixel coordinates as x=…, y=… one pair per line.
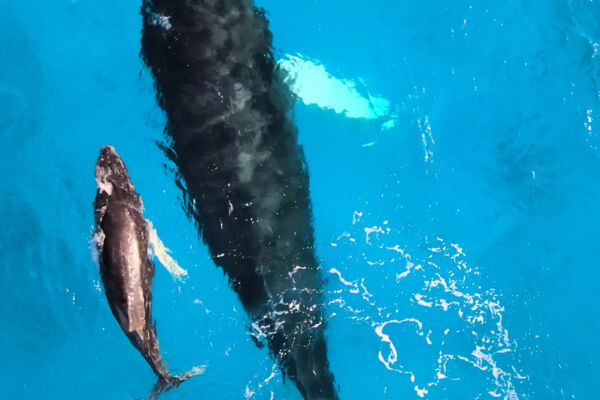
x=162, y=253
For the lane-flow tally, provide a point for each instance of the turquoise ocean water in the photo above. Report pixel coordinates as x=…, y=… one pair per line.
x=455, y=178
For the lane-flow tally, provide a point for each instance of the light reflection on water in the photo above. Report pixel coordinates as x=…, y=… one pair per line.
x=429, y=310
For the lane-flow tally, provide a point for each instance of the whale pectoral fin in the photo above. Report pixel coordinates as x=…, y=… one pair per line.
x=161, y=252
x=100, y=205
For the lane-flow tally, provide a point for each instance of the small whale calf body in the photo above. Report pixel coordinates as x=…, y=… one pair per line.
x=121, y=240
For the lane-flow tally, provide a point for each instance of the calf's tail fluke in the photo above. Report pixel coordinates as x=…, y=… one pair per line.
x=169, y=382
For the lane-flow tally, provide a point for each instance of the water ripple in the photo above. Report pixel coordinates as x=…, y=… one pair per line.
x=441, y=326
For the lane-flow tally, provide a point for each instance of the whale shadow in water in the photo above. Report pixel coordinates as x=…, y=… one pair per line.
x=244, y=175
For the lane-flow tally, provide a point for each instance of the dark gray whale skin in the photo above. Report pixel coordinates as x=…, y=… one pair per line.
x=245, y=180
x=122, y=243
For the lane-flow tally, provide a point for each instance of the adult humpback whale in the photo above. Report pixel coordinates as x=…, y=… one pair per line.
x=121, y=239
x=244, y=175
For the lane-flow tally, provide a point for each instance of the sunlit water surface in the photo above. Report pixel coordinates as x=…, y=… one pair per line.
x=453, y=153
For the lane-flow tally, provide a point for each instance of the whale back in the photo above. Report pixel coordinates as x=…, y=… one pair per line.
x=244, y=175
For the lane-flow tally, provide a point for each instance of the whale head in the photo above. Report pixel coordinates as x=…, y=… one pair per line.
x=111, y=173
x=114, y=187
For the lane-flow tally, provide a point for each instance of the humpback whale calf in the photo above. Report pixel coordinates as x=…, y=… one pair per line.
x=230, y=133
x=121, y=240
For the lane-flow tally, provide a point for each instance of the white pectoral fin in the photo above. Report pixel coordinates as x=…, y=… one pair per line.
x=162, y=253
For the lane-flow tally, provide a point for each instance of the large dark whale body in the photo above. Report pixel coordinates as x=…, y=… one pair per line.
x=243, y=172
x=122, y=242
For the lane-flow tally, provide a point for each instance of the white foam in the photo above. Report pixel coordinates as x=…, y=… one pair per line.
x=339, y=274
x=451, y=291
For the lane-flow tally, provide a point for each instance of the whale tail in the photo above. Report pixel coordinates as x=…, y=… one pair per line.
x=165, y=384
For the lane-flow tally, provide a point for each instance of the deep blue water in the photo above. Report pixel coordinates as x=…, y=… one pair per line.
x=458, y=228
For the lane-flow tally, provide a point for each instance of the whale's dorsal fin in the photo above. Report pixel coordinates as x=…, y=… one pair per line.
x=161, y=252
